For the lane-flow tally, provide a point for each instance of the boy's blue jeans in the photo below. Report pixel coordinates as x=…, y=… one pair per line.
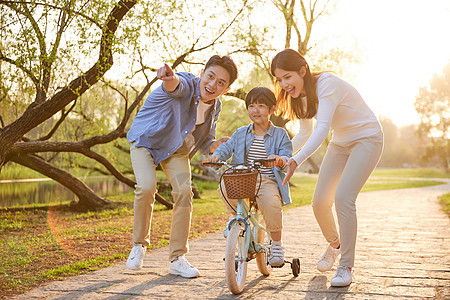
x=178, y=172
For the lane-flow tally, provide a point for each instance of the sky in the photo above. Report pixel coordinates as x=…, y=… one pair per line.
x=404, y=42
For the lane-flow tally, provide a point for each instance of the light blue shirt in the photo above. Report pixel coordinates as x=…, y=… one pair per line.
x=166, y=118
x=276, y=141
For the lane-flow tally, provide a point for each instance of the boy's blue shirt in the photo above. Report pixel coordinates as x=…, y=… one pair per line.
x=166, y=118
x=276, y=141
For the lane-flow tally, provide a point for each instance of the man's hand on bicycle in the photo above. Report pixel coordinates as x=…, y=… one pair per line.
x=278, y=161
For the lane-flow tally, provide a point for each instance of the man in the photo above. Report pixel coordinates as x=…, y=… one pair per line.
x=177, y=120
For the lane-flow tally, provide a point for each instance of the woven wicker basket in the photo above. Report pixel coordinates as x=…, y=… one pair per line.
x=240, y=184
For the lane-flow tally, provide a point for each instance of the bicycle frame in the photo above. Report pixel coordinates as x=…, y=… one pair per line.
x=243, y=215
x=246, y=237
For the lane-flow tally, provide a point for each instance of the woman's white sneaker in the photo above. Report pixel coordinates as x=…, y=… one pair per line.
x=327, y=260
x=136, y=259
x=182, y=267
x=343, y=277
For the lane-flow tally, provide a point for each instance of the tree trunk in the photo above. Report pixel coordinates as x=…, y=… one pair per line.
x=87, y=197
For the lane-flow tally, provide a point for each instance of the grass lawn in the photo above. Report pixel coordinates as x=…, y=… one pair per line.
x=444, y=200
x=39, y=246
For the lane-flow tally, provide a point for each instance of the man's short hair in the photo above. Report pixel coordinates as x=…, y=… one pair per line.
x=225, y=62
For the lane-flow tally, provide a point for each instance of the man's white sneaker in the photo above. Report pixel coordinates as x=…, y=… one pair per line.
x=183, y=268
x=136, y=258
x=326, y=262
x=343, y=277
x=276, y=258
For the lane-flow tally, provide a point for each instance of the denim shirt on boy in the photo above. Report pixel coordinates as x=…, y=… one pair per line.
x=166, y=118
x=276, y=141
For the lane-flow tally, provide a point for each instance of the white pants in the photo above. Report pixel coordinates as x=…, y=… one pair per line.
x=178, y=172
x=344, y=171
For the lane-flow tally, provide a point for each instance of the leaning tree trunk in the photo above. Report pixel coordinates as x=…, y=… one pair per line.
x=87, y=197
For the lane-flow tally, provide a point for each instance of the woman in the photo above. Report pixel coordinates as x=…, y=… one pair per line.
x=352, y=154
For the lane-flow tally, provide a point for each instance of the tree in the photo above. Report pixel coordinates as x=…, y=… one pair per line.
x=298, y=17
x=38, y=70
x=433, y=106
x=53, y=52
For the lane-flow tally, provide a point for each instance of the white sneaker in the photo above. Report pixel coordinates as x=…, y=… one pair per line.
x=326, y=262
x=276, y=258
x=136, y=258
x=183, y=268
x=343, y=277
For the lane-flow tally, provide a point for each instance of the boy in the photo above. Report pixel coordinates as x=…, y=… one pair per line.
x=177, y=119
x=262, y=139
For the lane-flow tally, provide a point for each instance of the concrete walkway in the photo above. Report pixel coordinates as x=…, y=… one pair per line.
x=403, y=252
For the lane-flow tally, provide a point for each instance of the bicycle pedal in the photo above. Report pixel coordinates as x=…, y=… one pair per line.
x=280, y=266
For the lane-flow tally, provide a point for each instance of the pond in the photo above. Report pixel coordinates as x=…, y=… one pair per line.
x=43, y=191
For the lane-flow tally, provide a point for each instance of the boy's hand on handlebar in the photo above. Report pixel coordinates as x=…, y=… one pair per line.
x=278, y=161
x=210, y=159
x=213, y=158
x=291, y=167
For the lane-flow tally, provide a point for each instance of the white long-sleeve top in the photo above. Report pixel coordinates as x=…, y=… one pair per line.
x=341, y=109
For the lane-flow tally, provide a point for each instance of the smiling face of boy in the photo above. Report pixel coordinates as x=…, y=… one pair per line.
x=214, y=81
x=260, y=113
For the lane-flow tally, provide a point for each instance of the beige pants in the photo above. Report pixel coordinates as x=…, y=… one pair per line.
x=344, y=171
x=269, y=203
x=178, y=171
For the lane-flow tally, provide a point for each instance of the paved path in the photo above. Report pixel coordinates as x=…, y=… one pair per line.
x=403, y=252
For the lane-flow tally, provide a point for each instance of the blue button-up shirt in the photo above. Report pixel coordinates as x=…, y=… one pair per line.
x=276, y=141
x=166, y=118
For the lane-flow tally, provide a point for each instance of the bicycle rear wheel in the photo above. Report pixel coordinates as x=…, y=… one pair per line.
x=235, y=259
x=263, y=240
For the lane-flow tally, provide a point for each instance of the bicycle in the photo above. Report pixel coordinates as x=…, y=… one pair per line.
x=247, y=238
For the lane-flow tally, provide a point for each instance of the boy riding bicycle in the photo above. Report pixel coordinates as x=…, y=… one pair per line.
x=262, y=140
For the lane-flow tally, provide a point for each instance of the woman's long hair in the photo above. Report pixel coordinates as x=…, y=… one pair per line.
x=293, y=108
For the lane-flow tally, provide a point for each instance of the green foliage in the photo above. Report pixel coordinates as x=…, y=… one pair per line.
x=233, y=115
x=401, y=146
x=444, y=200
x=433, y=106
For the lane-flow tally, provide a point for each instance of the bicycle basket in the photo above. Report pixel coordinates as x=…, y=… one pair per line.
x=240, y=183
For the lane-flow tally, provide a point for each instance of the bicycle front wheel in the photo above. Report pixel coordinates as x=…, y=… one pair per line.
x=235, y=259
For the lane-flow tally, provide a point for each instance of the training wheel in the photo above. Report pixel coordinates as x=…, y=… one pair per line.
x=295, y=266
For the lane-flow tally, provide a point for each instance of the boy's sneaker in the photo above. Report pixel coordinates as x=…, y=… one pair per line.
x=276, y=258
x=136, y=258
x=343, y=277
x=326, y=262
x=183, y=268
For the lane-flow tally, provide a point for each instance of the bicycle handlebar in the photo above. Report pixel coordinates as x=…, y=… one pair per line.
x=256, y=162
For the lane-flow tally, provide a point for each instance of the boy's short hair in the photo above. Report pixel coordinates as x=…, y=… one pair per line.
x=262, y=95
x=225, y=62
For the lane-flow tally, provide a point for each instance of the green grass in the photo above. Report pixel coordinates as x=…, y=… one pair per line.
x=81, y=267
x=444, y=200
x=409, y=172
x=376, y=184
